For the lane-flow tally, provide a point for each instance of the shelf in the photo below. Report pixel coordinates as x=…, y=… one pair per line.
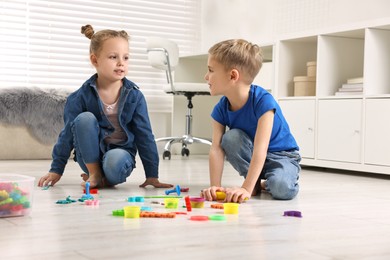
x=377, y=62
x=339, y=59
x=293, y=57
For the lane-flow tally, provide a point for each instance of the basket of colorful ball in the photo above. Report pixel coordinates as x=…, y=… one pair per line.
x=16, y=193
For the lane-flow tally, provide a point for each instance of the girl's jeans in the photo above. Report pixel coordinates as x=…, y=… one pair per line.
x=281, y=169
x=117, y=164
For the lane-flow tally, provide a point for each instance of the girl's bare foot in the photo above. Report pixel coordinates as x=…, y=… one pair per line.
x=95, y=180
x=84, y=176
x=102, y=184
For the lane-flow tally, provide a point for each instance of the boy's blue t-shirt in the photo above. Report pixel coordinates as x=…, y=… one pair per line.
x=246, y=118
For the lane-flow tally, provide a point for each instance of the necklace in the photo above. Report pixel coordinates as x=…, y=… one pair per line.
x=110, y=108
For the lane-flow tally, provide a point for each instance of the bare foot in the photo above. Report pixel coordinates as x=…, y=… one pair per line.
x=102, y=184
x=259, y=187
x=95, y=180
x=155, y=183
x=84, y=176
x=263, y=185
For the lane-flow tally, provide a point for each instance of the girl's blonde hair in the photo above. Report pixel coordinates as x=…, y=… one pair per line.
x=239, y=54
x=97, y=39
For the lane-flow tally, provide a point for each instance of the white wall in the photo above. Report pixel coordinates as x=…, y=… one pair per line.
x=262, y=21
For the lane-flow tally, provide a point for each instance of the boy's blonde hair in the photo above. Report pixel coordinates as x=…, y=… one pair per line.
x=97, y=39
x=239, y=54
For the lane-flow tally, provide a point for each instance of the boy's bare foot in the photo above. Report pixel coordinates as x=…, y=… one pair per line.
x=259, y=187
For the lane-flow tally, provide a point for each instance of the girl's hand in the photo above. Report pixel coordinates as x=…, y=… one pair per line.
x=49, y=179
x=155, y=183
x=237, y=194
x=210, y=194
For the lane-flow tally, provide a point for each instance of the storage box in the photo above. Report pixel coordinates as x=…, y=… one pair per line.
x=16, y=194
x=311, y=68
x=304, y=86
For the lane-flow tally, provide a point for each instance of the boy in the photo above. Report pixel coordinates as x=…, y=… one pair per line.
x=258, y=144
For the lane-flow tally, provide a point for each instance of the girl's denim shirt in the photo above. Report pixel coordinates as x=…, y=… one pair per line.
x=133, y=118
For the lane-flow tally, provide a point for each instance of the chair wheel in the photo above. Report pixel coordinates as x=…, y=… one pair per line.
x=167, y=154
x=185, y=151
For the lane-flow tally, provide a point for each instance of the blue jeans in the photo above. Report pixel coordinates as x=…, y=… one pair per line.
x=117, y=164
x=281, y=169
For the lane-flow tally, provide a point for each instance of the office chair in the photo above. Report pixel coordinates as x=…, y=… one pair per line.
x=163, y=54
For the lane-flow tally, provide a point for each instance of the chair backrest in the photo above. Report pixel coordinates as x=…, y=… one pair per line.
x=158, y=57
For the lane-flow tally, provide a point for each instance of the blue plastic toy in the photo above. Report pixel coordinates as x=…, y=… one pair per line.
x=87, y=195
x=176, y=189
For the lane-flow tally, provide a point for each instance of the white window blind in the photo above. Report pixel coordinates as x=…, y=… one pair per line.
x=41, y=43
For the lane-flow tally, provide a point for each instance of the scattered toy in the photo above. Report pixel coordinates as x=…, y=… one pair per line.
x=217, y=206
x=175, y=190
x=293, y=213
x=68, y=200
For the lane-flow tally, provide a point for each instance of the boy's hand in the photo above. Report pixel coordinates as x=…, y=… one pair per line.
x=236, y=194
x=155, y=183
x=49, y=179
x=210, y=194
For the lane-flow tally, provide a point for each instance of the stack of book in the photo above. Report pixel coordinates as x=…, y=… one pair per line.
x=353, y=86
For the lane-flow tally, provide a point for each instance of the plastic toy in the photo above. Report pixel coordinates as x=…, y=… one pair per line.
x=146, y=208
x=217, y=206
x=171, y=203
x=147, y=214
x=197, y=202
x=13, y=200
x=222, y=195
x=119, y=212
x=161, y=197
x=92, y=191
x=184, y=189
x=199, y=218
x=136, y=199
x=92, y=202
x=217, y=217
x=68, y=200
x=180, y=213
x=132, y=211
x=230, y=208
x=293, y=213
x=176, y=190
x=188, y=203
x=87, y=195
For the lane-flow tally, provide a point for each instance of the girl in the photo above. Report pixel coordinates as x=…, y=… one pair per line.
x=106, y=120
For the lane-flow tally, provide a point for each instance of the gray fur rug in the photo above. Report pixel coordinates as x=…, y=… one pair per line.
x=39, y=110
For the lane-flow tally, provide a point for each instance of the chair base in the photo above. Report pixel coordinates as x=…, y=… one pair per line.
x=184, y=140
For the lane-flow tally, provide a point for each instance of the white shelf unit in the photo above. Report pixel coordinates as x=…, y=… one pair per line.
x=349, y=132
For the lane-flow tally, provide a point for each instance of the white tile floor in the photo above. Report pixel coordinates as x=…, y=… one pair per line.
x=345, y=216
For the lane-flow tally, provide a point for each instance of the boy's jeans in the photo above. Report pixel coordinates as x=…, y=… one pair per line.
x=117, y=164
x=281, y=169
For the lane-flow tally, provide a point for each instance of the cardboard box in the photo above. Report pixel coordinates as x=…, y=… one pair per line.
x=304, y=86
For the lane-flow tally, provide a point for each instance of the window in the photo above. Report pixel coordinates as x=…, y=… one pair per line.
x=41, y=43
